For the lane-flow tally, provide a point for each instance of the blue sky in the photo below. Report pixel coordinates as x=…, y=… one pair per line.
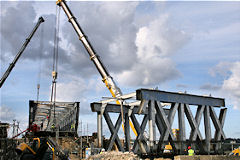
x=177, y=46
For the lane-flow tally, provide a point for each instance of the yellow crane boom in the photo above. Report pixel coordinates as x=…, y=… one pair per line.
x=106, y=78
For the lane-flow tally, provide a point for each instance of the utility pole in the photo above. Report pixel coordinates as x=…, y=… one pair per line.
x=17, y=127
x=87, y=133
x=81, y=138
x=14, y=125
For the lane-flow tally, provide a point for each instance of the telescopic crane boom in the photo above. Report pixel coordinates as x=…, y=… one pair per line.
x=106, y=78
x=11, y=66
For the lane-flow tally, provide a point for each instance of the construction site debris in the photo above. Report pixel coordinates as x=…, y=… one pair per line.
x=207, y=157
x=113, y=155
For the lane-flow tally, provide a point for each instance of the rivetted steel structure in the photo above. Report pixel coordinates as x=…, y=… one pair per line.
x=153, y=107
x=66, y=116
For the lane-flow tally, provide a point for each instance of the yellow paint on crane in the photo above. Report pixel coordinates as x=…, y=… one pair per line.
x=113, y=94
x=58, y=1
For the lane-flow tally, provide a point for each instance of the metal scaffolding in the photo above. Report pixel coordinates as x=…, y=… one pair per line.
x=153, y=106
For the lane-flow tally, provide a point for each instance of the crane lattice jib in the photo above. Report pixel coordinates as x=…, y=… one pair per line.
x=11, y=66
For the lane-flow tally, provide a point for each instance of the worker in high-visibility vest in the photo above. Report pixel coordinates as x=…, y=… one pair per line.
x=53, y=126
x=190, y=151
x=102, y=150
x=73, y=127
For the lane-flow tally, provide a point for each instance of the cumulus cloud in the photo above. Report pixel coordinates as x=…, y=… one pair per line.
x=110, y=29
x=138, y=56
x=155, y=42
x=77, y=90
x=6, y=114
x=72, y=90
x=231, y=83
x=221, y=68
x=19, y=19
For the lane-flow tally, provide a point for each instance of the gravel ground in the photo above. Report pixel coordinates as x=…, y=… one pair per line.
x=113, y=155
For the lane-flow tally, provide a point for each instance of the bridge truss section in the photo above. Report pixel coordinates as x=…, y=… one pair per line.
x=51, y=117
x=160, y=109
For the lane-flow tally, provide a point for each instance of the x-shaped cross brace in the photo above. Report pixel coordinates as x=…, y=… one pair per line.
x=140, y=130
x=114, y=130
x=161, y=118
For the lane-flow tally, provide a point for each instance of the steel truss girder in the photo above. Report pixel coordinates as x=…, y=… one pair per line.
x=173, y=97
x=155, y=114
x=66, y=114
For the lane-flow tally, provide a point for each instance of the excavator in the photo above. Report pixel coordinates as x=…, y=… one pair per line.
x=106, y=78
x=11, y=66
x=41, y=149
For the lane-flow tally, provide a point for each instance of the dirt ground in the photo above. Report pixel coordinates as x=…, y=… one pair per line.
x=113, y=155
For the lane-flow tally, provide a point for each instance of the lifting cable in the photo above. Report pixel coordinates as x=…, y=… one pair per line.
x=41, y=46
x=55, y=61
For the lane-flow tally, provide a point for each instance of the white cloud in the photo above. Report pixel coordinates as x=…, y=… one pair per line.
x=155, y=42
x=110, y=29
x=221, y=68
x=6, y=114
x=231, y=83
x=79, y=90
x=72, y=90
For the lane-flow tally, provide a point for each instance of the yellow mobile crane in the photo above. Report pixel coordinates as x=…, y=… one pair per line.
x=106, y=78
x=11, y=66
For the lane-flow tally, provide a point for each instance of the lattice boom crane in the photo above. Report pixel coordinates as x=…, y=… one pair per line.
x=11, y=66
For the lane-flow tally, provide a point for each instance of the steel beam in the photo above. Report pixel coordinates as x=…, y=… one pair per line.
x=217, y=124
x=222, y=117
x=207, y=129
x=141, y=141
x=115, y=108
x=114, y=130
x=173, y=97
x=150, y=123
x=198, y=117
x=182, y=129
x=127, y=133
x=168, y=135
x=99, y=129
x=217, y=135
x=192, y=121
